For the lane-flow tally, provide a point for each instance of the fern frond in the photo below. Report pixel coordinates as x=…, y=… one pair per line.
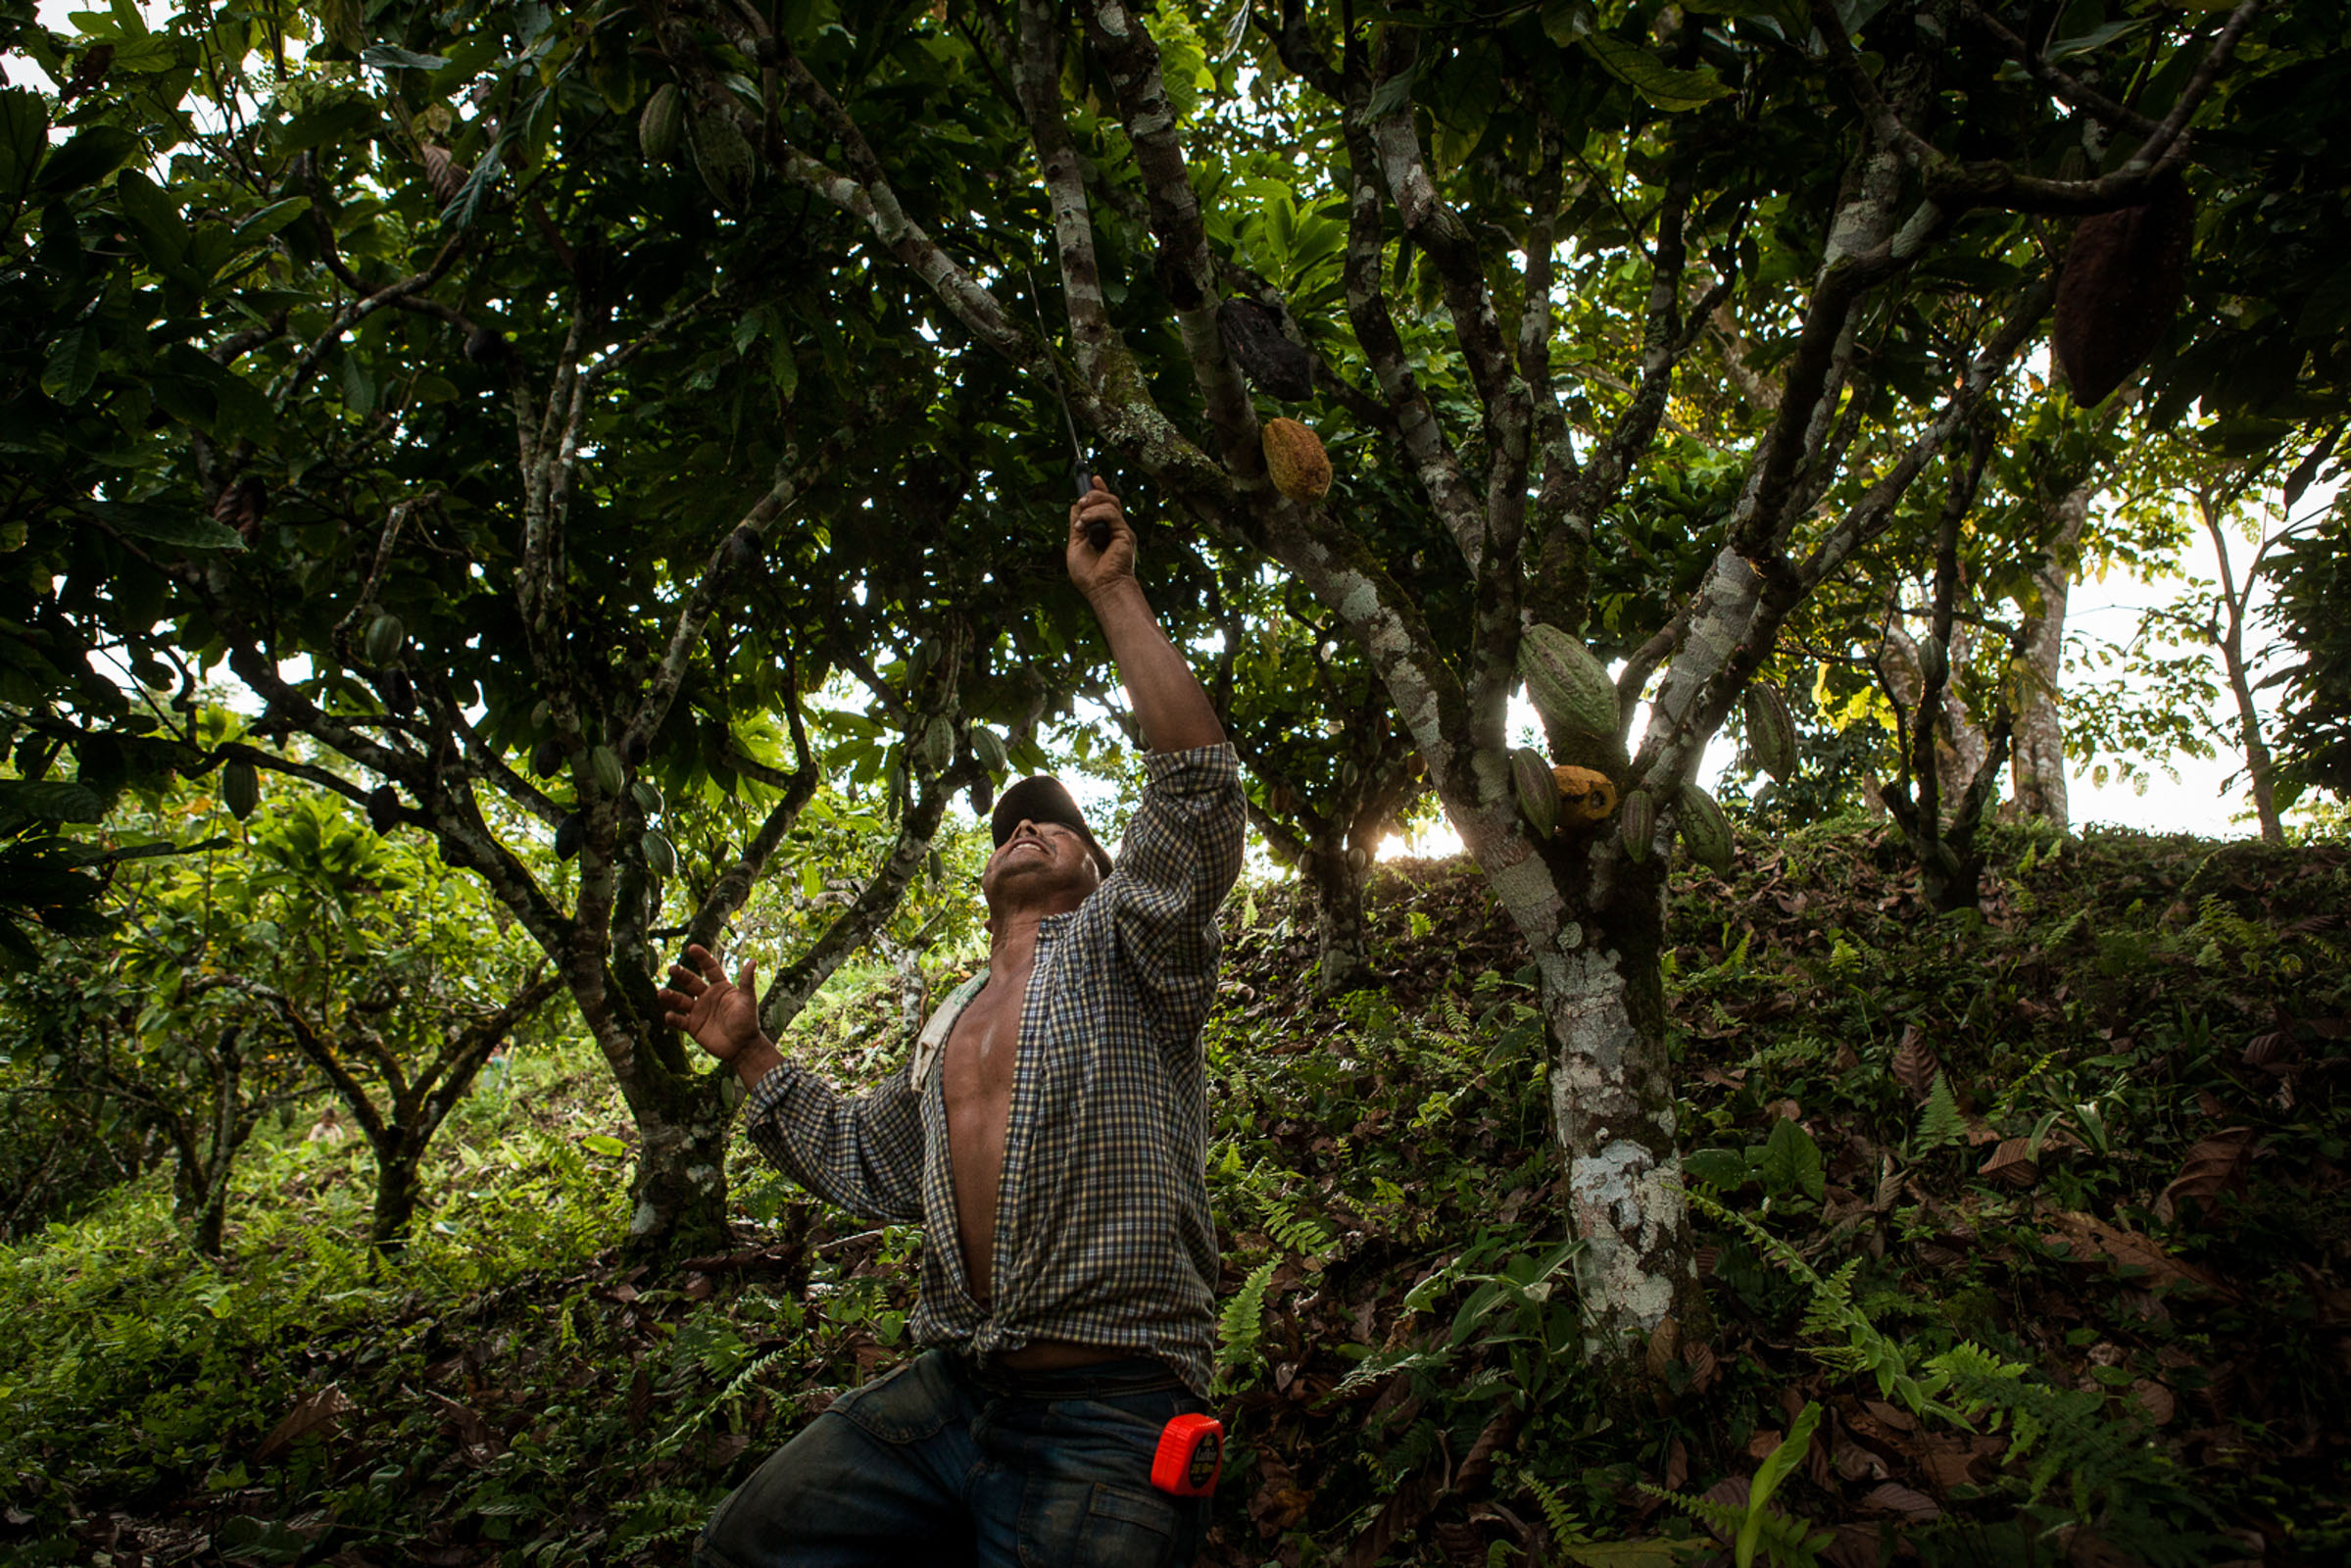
x=1242, y=1324
x=1567, y=1530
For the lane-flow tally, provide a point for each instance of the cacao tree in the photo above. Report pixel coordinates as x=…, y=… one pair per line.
x=564, y=506
x=1486, y=169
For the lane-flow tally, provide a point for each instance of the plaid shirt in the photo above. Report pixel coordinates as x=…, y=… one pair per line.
x=1102, y=1230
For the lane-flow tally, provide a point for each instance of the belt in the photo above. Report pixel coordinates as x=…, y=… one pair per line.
x=1095, y=1380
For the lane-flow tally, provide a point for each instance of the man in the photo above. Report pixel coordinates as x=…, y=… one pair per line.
x=1050, y=1129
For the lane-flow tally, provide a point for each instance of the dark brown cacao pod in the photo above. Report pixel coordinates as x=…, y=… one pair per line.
x=383, y=808
x=1275, y=365
x=2120, y=288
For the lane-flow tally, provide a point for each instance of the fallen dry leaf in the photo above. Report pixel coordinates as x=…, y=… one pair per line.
x=2012, y=1164
x=1897, y=1498
x=2092, y=1240
x=1915, y=1066
x=316, y=1414
x=2213, y=1166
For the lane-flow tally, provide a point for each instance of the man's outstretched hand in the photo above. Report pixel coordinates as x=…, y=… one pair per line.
x=723, y=1015
x=1091, y=569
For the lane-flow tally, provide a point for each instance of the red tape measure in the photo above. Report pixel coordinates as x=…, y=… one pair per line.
x=1191, y=1456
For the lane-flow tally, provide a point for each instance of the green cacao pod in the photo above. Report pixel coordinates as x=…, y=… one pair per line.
x=662, y=123
x=724, y=158
x=383, y=808
x=1934, y=662
x=1358, y=860
x=647, y=794
x=385, y=634
x=1295, y=458
x=567, y=835
x=546, y=758
x=241, y=788
x=1705, y=829
x=400, y=694
x=660, y=855
x=1640, y=823
x=1770, y=730
x=1537, y=790
x=542, y=715
x=610, y=778
x=936, y=748
x=989, y=748
x=1568, y=687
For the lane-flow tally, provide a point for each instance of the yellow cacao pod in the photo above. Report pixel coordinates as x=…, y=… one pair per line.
x=1293, y=456
x=1586, y=798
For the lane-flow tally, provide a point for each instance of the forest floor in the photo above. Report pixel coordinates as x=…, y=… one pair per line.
x=2027, y=1235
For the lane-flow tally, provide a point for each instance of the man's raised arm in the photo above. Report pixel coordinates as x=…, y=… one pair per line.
x=1175, y=713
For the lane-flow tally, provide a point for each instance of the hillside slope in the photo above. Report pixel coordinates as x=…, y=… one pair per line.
x=2032, y=1226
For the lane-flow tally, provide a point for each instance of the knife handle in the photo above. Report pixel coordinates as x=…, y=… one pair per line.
x=1097, y=531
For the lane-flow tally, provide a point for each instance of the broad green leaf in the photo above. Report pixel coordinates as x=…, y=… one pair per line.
x=391, y=57
x=269, y=219
x=51, y=801
x=1791, y=1162
x=604, y=1143
x=1660, y=84
x=91, y=155
x=162, y=235
x=24, y=138
x=166, y=525
x=1564, y=21
x=72, y=365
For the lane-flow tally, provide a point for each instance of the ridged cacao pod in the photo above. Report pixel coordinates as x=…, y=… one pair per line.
x=662, y=123
x=1568, y=687
x=383, y=808
x=1537, y=790
x=1586, y=797
x=936, y=748
x=1705, y=829
x=546, y=758
x=385, y=634
x=1293, y=456
x=989, y=748
x=660, y=858
x=1934, y=665
x=1639, y=826
x=609, y=777
x=1358, y=860
x=1770, y=730
x=241, y=788
x=728, y=166
x=2119, y=289
x=647, y=794
x=400, y=694
x=567, y=835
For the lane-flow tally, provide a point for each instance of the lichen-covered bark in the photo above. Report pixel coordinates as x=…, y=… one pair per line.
x=2040, y=761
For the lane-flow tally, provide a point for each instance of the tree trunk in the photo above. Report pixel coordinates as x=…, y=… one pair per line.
x=2229, y=638
x=397, y=1158
x=1598, y=942
x=1335, y=893
x=677, y=1193
x=2040, y=761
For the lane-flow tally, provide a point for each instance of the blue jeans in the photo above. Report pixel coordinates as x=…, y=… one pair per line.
x=938, y=1463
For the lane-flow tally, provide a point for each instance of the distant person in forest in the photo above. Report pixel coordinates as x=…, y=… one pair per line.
x=1050, y=1128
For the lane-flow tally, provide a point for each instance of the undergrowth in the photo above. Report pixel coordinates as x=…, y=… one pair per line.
x=2025, y=1234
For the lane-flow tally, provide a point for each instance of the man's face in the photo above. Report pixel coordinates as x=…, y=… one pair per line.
x=1040, y=863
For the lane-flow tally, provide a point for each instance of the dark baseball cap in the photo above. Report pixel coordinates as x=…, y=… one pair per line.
x=1041, y=798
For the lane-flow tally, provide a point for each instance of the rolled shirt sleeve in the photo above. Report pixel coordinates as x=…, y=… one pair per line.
x=1180, y=857
x=862, y=1151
